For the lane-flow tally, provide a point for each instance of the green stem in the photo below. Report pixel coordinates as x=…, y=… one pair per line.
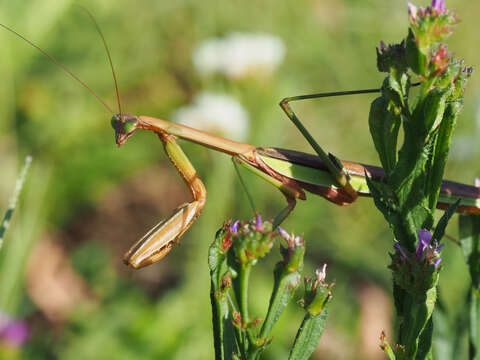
x=219, y=319
x=244, y=276
x=240, y=285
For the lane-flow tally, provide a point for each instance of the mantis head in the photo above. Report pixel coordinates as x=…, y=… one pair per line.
x=124, y=126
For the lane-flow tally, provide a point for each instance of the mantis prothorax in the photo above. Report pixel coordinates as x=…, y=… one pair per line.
x=292, y=172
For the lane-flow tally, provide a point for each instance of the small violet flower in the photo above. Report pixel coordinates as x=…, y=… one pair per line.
x=234, y=226
x=400, y=251
x=424, y=237
x=284, y=234
x=13, y=332
x=258, y=222
x=425, y=249
x=438, y=6
x=412, y=12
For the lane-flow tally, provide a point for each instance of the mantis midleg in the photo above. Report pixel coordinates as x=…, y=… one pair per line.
x=291, y=172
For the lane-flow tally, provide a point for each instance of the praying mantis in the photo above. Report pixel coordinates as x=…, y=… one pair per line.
x=292, y=172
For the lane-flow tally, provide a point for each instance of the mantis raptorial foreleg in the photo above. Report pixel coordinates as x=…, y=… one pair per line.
x=158, y=242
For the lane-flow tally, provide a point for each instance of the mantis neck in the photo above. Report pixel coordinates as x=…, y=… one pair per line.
x=185, y=132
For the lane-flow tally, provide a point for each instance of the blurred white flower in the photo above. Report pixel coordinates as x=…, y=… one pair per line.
x=215, y=113
x=239, y=54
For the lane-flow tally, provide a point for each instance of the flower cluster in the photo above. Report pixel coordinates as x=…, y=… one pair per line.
x=426, y=252
x=417, y=271
x=428, y=27
x=250, y=240
x=436, y=8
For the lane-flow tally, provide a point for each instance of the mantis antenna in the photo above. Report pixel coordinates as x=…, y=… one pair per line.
x=108, y=55
x=66, y=69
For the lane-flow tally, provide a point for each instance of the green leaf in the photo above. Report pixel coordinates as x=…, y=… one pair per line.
x=384, y=128
x=416, y=59
x=433, y=108
x=385, y=201
x=284, y=288
x=443, y=222
x=440, y=154
x=425, y=342
x=308, y=336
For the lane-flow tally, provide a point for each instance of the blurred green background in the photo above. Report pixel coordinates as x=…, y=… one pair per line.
x=86, y=201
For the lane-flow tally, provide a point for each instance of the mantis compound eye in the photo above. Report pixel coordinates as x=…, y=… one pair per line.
x=130, y=125
x=113, y=122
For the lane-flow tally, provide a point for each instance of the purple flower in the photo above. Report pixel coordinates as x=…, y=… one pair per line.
x=412, y=12
x=438, y=6
x=383, y=47
x=437, y=262
x=424, y=237
x=13, y=332
x=427, y=251
x=298, y=240
x=283, y=233
x=234, y=226
x=258, y=222
x=400, y=251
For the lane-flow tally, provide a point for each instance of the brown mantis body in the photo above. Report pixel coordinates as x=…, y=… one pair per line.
x=265, y=162
x=292, y=172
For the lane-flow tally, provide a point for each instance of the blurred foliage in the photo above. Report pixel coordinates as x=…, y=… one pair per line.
x=96, y=199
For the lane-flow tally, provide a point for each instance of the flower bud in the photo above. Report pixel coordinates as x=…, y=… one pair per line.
x=294, y=252
x=317, y=292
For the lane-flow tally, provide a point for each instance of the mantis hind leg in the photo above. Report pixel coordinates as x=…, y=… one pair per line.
x=332, y=163
x=160, y=240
